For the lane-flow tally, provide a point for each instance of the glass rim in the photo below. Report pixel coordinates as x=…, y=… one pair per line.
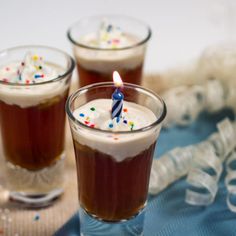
x=82, y=90
x=58, y=78
x=139, y=43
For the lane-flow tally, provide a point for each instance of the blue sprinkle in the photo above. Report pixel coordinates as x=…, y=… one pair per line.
x=81, y=114
x=109, y=28
x=125, y=121
x=117, y=119
x=37, y=76
x=110, y=125
x=36, y=217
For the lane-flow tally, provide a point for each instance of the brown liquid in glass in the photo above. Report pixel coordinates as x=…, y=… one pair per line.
x=87, y=77
x=112, y=190
x=33, y=137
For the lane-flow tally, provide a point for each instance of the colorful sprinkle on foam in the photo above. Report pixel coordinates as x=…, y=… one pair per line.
x=92, y=109
x=81, y=114
x=35, y=57
x=36, y=217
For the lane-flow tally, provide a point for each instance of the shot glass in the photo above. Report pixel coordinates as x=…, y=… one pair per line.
x=113, y=167
x=32, y=127
x=102, y=44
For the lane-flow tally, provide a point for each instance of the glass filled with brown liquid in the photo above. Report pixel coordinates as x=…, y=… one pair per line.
x=32, y=121
x=102, y=44
x=113, y=166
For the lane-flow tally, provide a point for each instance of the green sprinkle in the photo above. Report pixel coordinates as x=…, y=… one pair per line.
x=132, y=126
x=92, y=108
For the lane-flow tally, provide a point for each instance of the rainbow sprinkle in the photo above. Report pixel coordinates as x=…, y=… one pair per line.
x=35, y=57
x=110, y=36
x=92, y=125
x=89, y=121
x=36, y=217
x=17, y=73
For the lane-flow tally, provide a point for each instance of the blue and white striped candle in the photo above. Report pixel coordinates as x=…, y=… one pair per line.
x=117, y=97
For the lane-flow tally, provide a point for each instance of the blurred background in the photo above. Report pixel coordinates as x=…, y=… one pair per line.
x=181, y=29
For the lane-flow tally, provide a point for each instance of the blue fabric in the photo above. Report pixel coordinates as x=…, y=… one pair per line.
x=167, y=214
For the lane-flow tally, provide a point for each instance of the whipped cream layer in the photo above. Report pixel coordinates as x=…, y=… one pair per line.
x=32, y=71
x=109, y=37
x=97, y=114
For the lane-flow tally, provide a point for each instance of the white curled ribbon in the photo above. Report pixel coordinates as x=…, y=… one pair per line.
x=192, y=100
x=196, y=161
x=198, y=177
x=230, y=177
x=215, y=95
x=218, y=145
x=169, y=168
x=228, y=135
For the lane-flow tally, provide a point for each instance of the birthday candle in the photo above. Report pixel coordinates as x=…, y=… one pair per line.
x=117, y=97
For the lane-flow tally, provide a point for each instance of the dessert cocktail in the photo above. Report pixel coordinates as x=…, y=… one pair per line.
x=34, y=85
x=114, y=156
x=102, y=44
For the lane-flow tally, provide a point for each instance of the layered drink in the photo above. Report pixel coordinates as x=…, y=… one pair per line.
x=33, y=93
x=102, y=45
x=114, y=156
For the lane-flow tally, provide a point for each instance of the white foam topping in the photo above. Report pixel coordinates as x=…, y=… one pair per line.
x=97, y=114
x=33, y=70
x=109, y=36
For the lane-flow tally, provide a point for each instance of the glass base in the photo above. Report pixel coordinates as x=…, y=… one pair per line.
x=35, y=189
x=35, y=201
x=90, y=226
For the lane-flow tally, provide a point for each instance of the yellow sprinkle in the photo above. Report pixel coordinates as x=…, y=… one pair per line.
x=131, y=123
x=35, y=57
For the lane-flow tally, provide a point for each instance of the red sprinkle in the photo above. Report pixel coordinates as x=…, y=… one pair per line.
x=42, y=76
x=86, y=122
x=5, y=80
x=92, y=125
x=27, y=81
x=116, y=40
x=125, y=109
